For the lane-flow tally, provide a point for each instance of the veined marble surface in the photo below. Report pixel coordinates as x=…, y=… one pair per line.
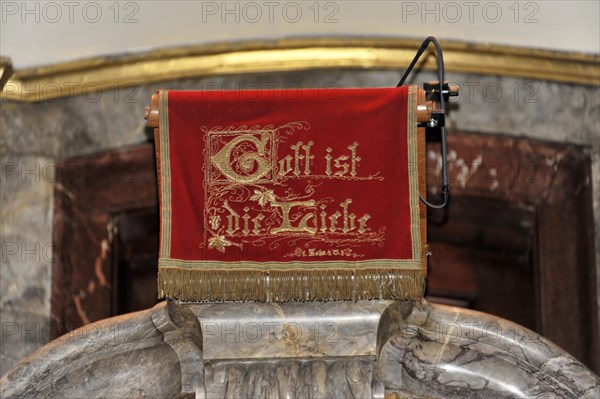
x=446, y=352
x=381, y=349
x=290, y=330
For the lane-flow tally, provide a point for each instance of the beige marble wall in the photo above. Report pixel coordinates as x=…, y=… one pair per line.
x=36, y=136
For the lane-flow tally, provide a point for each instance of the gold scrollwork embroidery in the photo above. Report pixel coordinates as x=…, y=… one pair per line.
x=240, y=209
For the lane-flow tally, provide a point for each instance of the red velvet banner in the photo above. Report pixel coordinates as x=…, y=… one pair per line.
x=268, y=183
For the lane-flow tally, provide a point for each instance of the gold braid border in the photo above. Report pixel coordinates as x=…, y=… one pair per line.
x=165, y=176
x=413, y=173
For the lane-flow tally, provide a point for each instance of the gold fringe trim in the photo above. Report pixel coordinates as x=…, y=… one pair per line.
x=289, y=285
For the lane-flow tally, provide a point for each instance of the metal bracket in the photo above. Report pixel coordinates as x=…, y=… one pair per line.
x=432, y=93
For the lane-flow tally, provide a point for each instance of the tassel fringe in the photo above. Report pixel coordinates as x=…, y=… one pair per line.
x=289, y=285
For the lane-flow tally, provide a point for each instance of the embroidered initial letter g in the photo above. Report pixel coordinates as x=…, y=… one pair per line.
x=247, y=167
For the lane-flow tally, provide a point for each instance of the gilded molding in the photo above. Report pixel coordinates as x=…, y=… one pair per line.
x=105, y=73
x=6, y=71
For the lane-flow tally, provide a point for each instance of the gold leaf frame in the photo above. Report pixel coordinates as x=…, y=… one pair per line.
x=105, y=73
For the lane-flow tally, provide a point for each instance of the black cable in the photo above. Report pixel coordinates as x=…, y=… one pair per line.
x=444, y=149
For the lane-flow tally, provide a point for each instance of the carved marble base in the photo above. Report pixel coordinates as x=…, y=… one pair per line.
x=366, y=349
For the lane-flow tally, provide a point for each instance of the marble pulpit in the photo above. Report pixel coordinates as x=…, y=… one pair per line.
x=364, y=349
